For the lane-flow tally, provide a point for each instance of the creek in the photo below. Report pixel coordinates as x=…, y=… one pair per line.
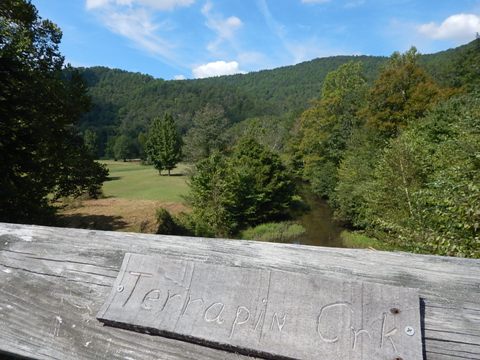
x=318, y=221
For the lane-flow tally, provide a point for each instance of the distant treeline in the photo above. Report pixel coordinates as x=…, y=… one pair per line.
x=125, y=103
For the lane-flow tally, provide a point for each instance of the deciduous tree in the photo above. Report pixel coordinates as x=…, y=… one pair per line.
x=123, y=147
x=425, y=191
x=40, y=151
x=164, y=144
x=402, y=93
x=326, y=127
x=90, y=139
x=207, y=133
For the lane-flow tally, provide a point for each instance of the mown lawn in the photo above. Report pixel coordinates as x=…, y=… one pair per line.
x=131, y=180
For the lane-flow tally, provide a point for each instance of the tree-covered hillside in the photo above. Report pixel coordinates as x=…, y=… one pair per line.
x=125, y=103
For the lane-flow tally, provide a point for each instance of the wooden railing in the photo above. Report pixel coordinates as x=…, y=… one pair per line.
x=54, y=280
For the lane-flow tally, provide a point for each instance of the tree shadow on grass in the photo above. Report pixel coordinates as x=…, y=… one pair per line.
x=93, y=222
x=173, y=175
x=112, y=178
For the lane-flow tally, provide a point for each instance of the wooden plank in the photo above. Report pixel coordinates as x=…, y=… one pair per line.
x=48, y=272
x=265, y=313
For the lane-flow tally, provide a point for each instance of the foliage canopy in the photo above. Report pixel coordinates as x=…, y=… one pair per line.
x=249, y=187
x=163, y=146
x=40, y=152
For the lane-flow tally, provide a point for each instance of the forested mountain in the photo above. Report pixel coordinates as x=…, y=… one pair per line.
x=124, y=103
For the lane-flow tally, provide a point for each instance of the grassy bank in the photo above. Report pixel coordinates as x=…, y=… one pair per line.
x=285, y=232
x=132, y=196
x=358, y=240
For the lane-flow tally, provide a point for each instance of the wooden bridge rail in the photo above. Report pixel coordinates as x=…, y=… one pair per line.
x=54, y=280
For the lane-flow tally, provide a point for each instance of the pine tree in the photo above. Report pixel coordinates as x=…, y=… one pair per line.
x=164, y=144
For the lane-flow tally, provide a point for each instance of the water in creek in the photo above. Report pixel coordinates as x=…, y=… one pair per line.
x=321, y=229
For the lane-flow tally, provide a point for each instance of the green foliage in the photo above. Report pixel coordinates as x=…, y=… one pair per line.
x=418, y=188
x=283, y=232
x=123, y=148
x=402, y=93
x=163, y=145
x=456, y=67
x=326, y=127
x=207, y=134
x=249, y=187
x=213, y=197
x=355, y=175
x=142, y=139
x=427, y=183
x=270, y=131
x=399, y=174
x=266, y=186
x=41, y=154
x=125, y=103
x=90, y=140
x=466, y=69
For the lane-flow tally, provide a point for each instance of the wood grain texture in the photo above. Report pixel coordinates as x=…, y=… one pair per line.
x=272, y=314
x=54, y=280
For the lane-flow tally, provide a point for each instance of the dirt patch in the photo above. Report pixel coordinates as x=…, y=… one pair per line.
x=117, y=214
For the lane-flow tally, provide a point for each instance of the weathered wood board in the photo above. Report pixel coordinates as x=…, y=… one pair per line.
x=53, y=282
x=263, y=312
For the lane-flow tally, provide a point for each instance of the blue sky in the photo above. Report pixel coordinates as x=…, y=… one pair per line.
x=177, y=39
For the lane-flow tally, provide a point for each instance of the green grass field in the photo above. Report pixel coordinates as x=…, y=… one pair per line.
x=131, y=180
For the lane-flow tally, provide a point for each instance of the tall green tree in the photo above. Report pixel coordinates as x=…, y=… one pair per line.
x=123, y=147
x=271, y=131
x=164, y=144
x=40, y=151
x=207, y=134
x=90, y=139
x=355, y=174
x=402, y=93
x=326, y=127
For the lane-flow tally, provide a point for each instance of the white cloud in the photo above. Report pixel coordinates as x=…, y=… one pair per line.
x=166, y=4
x=92, y=4
x=460, y=27
x=225, y=28
x=216, y=68
x=137, y=20
x=137, y=26
x=154, y=4
x=179, y=77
